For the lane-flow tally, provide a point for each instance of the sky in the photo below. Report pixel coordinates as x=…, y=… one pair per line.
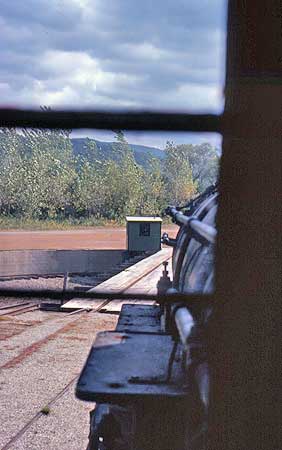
x=165, y=55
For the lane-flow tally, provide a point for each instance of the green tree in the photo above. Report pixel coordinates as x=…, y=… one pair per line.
x=204, y=162
x=12, y=172
x=90, y=189
x=179, y=184
x=124, y=180
x=41, y=178
x=50, y=172
x=153, y=188
x=37, y=172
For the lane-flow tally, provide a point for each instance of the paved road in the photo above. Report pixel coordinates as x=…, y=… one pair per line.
x=91, y=238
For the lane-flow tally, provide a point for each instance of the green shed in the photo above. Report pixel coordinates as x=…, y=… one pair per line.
x=143, y=233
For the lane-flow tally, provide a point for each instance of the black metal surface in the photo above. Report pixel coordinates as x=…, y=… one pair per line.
x=124, y=367
x=184, y=236
x=167, y=240
x=192, y=273
x=164, y=282
x=107, y=120
x=203, y=231
x=139, y=318
x=194, y=301
x=50, y=306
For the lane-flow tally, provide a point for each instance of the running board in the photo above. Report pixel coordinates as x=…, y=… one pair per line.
x=121, y=282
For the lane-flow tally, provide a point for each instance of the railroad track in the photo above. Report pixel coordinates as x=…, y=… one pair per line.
x=64, y=318
x=13, y=306
x=63, y=391
x=39, y=414
x=20, y=310
x=108, y=305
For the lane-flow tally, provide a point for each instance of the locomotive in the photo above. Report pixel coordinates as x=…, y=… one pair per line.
x=150, y=377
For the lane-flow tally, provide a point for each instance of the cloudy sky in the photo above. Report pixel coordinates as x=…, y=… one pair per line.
x=114, y=54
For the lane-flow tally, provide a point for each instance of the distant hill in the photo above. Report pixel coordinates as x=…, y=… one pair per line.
x=141, y=152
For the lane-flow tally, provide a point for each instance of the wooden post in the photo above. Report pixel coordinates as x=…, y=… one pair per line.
x=245, y=334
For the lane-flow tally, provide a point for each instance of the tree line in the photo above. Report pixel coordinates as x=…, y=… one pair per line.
x=41, y=178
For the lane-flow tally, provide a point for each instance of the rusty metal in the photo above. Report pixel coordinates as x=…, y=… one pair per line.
x=13, y=306
x=20, y=310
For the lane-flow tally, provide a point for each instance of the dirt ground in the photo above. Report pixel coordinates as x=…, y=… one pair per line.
x=91, y=238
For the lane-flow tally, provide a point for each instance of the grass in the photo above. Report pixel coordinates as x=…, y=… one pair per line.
x=14, y=223
x=9, y=223
x=45, y=410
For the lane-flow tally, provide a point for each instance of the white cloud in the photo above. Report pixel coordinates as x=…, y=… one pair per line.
x=144, y=51
x=111, y=54
x=75, y=78
x=198, y=97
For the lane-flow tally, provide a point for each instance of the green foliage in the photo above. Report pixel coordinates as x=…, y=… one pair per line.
x=41, y=178
x=204, y=162
x=36, y=174
x=179, y=183
x=125, y=181
x=154, y=190
x=12, y=172
x=45, y=410
x=50, y=173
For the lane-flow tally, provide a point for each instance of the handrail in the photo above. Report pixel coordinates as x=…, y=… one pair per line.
x=200, y=229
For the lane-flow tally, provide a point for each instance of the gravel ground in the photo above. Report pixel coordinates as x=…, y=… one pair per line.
x=41, y=352
x=33, y=283
x=59, y=430
x=38, y=373
x=75, y=282
x=54, y=283
x=23, y=330
x=29, y=328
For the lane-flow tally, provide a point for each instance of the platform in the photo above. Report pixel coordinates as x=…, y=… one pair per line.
x=140, y=278
x=126, y=366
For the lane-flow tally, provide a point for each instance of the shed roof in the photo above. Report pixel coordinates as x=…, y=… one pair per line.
x=143, y=219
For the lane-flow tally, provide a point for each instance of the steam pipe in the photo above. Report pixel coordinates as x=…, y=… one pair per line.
x=184, y=323
x=202, y=230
